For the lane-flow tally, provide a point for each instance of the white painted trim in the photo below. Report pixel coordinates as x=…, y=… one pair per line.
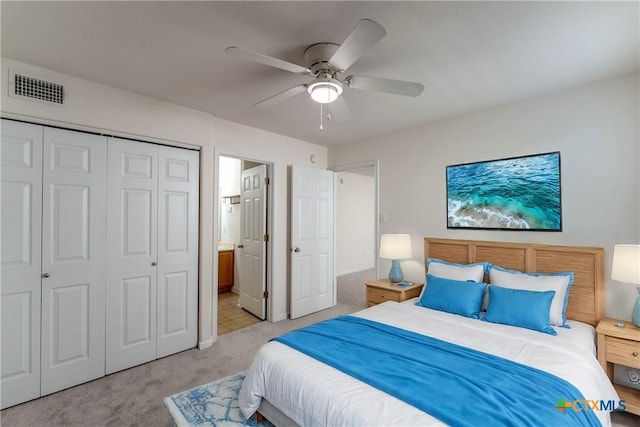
x=279, y=318
x=206, y=344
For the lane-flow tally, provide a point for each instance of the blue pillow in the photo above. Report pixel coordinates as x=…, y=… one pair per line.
x=516, y=307
x=453, y=296
x=559, y=282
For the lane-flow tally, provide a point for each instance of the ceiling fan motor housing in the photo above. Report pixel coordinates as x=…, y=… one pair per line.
x=317, y=56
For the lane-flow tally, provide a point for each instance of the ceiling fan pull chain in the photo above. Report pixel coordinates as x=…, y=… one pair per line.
x=321, y=116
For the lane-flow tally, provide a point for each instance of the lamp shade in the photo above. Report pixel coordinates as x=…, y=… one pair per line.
x=626, y=264
x=395, y=246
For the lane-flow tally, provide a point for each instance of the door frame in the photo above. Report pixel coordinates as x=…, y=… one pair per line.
x=376, y=208
x=217, y=153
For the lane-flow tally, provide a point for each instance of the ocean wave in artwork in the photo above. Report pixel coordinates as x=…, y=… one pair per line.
x=510, y=214
x=521, y=193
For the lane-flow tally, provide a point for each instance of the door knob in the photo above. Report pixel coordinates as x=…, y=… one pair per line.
x=296, y=249
x=46, y=275
x=240, y=246
x=154, y=263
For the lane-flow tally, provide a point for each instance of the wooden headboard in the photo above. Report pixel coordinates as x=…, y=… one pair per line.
x=586, y=297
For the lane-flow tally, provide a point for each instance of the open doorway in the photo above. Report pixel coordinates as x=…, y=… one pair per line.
x=356, y=225
x=242, y=244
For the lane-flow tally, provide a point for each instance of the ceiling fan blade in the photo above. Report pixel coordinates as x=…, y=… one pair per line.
x=365, y=34
x=397, y=87
x=279, y=97
x=338, y=111
x=266, y=60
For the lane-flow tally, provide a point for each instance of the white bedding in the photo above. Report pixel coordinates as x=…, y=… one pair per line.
x=314, y=394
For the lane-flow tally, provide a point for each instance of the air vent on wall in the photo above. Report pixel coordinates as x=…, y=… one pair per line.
x=22, y=86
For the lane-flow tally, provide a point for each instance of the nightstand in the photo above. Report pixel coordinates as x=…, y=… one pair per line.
x=620, y=346
x=379, y=291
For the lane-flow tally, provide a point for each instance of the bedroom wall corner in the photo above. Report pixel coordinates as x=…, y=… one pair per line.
x=98, y=108
x=595, y=127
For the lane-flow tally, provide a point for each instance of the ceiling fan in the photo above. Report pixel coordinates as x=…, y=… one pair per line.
x=326, y=62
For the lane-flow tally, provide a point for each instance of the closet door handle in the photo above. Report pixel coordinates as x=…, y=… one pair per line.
x=296, y=249
x=154, y=263
x=240, y=246
x=45, y=275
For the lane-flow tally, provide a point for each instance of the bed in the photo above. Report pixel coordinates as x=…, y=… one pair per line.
x=289, y=387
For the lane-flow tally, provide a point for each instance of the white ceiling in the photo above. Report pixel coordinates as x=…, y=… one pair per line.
x=469, y=55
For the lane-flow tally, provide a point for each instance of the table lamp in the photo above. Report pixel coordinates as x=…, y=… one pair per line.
x=626, y=268
x=395, y=247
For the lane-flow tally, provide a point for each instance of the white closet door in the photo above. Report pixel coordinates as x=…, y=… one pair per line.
x=178, y=185
x=73, y=258
x=21, y=207
x=132, y=254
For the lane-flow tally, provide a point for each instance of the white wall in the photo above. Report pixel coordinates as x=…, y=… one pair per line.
x=355, y=234
x=595, y=127
x=96, y=107
x=249, y=143
x=235, y=140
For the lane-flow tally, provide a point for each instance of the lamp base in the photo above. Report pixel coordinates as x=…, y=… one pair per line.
x=395, y=274
x=635, y=317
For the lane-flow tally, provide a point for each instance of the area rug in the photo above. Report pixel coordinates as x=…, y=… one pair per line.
x=212, y=404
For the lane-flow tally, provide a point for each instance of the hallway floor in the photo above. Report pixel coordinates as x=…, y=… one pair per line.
x=230, y=316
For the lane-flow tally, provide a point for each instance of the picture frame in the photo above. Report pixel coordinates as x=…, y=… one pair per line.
x=515, y=193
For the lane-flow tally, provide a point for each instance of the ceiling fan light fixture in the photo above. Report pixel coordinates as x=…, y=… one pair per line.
x=325, y=91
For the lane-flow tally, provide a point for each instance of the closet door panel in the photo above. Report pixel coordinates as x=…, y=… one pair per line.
x=136, y=310
x=73, y=258
x=20, y=261
x=178, y=190
x=132, y=254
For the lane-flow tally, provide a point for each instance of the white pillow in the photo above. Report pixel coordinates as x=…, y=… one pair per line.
x=558, y=282
x=453, y=271
x=462, y=272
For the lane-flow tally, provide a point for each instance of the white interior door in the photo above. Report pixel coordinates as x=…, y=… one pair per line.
x=253, y=254
x=20, y=222
x=73, y=258
x=132, y=254
x=178, y=186
x=313, y=283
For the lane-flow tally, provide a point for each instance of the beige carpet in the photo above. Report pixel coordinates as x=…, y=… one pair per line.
x=134, y=397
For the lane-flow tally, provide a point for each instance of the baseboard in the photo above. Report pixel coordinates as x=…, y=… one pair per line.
x=356, y=271
x=284, y=316
x=356, y=276
x=205, y=344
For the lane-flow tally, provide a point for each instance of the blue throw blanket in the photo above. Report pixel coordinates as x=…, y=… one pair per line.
x=455, y=384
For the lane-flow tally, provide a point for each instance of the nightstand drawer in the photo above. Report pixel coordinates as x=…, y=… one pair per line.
x=377, y=296
x=623, y=352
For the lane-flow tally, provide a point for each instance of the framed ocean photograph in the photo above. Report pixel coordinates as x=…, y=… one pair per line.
x=516, y=193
